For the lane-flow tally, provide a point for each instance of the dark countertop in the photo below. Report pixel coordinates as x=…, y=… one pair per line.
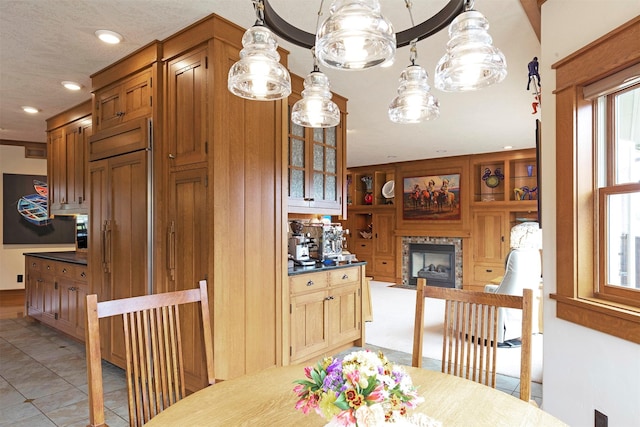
x=70, y=256
x=298, y=269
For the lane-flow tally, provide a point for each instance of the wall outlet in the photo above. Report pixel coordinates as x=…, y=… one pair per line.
x=20, y=278
x=601, y=419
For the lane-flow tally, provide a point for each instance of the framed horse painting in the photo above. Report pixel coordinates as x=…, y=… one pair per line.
x=435, y=197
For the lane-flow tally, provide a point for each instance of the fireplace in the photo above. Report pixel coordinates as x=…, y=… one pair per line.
x=436, y=263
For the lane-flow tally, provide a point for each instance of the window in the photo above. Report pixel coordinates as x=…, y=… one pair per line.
x=597, y=188
x=617, y=142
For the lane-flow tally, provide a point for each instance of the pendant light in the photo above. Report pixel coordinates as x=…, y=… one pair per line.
x=471, y=61
x=355, y=36
x=259, y=75
x=315, y=109
x=414, y=102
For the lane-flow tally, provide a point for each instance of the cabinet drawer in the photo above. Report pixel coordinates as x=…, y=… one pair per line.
x=384, y=266
x=81, y=273
x=363, y=246
x=344, y=276
x=486, y=273
x=66, y=270
x=34, y=264
x=307, y=282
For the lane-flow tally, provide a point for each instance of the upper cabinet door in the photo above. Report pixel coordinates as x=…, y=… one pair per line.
x=187, y=108
x=315, y=165
x=123, y=101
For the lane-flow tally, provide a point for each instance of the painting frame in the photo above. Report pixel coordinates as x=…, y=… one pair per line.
x=433, y=197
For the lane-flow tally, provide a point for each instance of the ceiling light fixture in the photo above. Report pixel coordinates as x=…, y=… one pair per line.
x=258, y=75
x=30, y=110
x=471, y=61
x=414, y=102
x=72, y=85
x=356, y=36
x=315, y=109
x=108, y=36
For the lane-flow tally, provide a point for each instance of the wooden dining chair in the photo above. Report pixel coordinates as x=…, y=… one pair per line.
x=153, y=346
x=469, y=349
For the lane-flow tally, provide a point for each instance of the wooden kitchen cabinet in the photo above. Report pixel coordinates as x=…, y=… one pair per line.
x=67, y=160
x=325, y=312
x=316, y=162
x=55, y=292
x=122, y=101
x=118, y=238
x=490, y=242
x=373, y=241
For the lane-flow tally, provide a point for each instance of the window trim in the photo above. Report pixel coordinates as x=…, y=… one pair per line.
x=576, y=269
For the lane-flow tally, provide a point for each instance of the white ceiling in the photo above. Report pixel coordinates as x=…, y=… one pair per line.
x=43, y=42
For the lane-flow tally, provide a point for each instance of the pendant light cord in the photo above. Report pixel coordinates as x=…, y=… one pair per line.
x=413, y=52
x=258, y=6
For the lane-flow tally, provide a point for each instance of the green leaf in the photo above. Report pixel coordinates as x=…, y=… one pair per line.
x=341, y=402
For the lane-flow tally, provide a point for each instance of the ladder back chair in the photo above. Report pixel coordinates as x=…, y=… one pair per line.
x=469, y=349
x=153, y=346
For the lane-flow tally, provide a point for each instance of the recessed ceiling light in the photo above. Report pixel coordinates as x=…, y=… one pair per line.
x=72, y=85
x=508, y=147
x=110, y=37
x=30, y=110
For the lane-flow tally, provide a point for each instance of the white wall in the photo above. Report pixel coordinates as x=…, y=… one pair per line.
x=583, y=369
x=12, y=160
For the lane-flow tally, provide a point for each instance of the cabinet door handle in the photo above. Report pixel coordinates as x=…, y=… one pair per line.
x=329, y=298
x=33, y=264
x=106, y=246
x=172, y=156
x=310, y=283
x=64, y=270
x=83, y=274
x=171, y=250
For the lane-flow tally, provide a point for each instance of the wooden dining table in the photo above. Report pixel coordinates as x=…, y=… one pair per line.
x=266, y=398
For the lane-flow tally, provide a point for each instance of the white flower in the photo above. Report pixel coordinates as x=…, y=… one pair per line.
x=370, y=416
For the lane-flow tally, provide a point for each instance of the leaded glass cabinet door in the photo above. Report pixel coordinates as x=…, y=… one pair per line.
x=315, y=169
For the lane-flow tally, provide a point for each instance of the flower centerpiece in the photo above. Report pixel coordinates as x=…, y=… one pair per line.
x=363, y=389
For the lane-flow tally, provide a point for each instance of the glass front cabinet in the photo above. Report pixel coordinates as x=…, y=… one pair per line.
x=316, y=162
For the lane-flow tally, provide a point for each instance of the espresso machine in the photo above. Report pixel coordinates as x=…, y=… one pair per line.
x=299, y=244
x=327, y=239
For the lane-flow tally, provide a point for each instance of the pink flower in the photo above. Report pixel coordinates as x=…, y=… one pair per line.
x=345, y=418
x=377, y=395
x=306, y=405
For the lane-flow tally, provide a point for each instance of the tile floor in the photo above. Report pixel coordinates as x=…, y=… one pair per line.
x=43, y=379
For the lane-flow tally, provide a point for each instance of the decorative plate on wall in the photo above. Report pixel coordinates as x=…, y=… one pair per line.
x=387, y=189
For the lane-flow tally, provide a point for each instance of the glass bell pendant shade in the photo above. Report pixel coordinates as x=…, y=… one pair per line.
x=258, y=75
x=315, y=109
x=414, y=102
x=355, y=36
x=471, y=61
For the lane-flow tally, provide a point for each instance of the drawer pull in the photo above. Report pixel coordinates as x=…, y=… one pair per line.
x=48, y=267
x=345, y=277
x=83, y=274
x=33, y=264
x=329, y=298
x=64, y=270
x=489, y=271
x=384, y=262
x=310, y=283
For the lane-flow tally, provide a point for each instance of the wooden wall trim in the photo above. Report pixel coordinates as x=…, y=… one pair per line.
x=532, y=10
x=71, y=115
x=610, y=53
x=32, y=149
x=130, y=64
